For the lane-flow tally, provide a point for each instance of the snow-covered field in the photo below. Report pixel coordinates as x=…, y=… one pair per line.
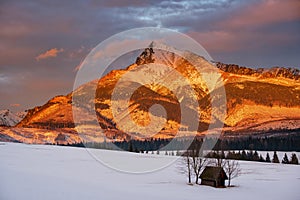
x=51, y=172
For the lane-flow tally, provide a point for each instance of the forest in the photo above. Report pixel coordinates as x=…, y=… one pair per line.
x=265, y=143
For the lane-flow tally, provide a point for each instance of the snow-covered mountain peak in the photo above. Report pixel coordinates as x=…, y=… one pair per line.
x=8, y=118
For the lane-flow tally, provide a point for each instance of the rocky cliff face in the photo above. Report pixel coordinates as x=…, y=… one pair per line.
x=275, y=72
x=258, y=100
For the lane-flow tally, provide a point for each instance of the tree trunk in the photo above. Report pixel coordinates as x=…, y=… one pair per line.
x=229, y=181
x=189, y=169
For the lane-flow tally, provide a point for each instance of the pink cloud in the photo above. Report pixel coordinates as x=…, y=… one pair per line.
x=264, y=13
x=115, y=47
x=232, y=41
x=216, y=40
x=48, y=54
x=240, y=30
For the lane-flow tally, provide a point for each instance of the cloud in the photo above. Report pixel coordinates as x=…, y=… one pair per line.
x=48, y=54
x=175, y=14
x=251, y=33
x=15, y=105
x=228, y=41
x=251, y=27
x=116, y=46
x=77, y=68
x=3, y=78
x=263, y=13
x=123, y=3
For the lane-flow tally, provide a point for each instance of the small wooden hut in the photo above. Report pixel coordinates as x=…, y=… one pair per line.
x=213, y=176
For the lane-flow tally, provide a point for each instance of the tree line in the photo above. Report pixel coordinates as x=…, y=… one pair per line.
x=271, y=143
x=253, y=156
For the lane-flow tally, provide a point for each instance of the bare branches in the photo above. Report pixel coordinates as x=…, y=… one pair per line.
x=185, y=167
x=232, y=169
x=198, y=165
x=194, y=165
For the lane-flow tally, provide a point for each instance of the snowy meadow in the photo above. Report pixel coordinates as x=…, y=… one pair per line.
x=53, y=172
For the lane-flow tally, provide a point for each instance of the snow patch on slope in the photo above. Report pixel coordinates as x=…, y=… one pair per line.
x=8, y=118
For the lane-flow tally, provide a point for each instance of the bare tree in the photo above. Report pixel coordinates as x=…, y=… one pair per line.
x=189, y=168
x=232, y=169
x=194, y=163
x=220, y=159
x=184, y=167
x=198, y=164
x=217, y=159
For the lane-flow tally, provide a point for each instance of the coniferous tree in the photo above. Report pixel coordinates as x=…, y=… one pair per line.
x=261, y=159
x=222, y=155
x=229, y=155
x=244, y=155
x=130, y=147
x=285, y=159
x=275, y=158
x=136, y=150
x=294, y=159
x=238, y=156
x=268, y=158
x=255, y=156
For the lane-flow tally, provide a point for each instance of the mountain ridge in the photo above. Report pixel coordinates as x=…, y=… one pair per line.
x=257, y=100
x=273, y=72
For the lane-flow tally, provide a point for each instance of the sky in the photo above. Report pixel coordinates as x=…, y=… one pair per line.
x=42, y=42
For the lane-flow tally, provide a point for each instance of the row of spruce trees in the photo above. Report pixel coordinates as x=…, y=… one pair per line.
x=254, y=156
x=287, y=143
x=240, y=155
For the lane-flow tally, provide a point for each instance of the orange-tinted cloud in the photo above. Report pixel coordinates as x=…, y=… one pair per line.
x=48, y=54
x=15, y=105
x=77, y=68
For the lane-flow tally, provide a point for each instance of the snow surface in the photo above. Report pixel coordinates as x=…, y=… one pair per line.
x=51, y=172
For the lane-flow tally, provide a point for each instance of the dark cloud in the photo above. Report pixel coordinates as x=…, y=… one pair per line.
x=263, y=33
x=254, y=33
x=123, y=3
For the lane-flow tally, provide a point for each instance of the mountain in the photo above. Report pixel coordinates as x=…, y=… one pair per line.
x=274, y=72
x=259, y=101
x=8, y=118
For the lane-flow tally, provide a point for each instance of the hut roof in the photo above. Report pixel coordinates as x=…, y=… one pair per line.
x=213, y=173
